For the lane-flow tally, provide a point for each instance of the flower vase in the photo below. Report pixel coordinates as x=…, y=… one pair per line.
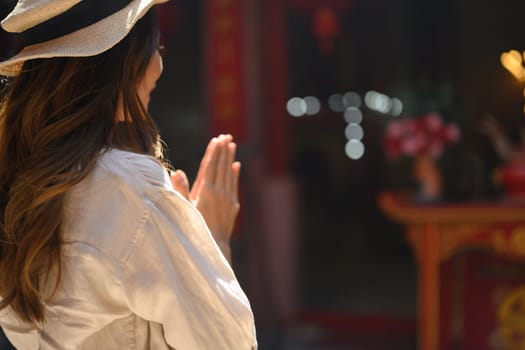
x=513, y=178
x=428, y=177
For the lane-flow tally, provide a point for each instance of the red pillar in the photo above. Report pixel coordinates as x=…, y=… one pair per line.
x=225, y=67
x=247, y=83
x=275, y=87
x=278, y=191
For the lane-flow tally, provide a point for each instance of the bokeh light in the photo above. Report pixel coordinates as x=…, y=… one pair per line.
x=353, y=115
x=397, y=107
x=296, y=107
x=352, y=99
x=354, y=131
x=378, y=102
x=335, y=102
x=354, y=149
x=313, y=105
x=512, y=61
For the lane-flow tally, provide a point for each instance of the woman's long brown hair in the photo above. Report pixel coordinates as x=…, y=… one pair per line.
x=56, y=118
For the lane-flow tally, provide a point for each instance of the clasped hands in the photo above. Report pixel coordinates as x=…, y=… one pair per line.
x=215, y=190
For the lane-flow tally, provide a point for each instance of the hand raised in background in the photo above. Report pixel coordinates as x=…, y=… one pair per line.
x=215, y=191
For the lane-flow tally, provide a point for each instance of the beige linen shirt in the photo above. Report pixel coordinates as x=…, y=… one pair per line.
x=140, y=270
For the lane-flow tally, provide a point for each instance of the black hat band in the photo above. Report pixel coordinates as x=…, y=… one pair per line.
x=83, y=14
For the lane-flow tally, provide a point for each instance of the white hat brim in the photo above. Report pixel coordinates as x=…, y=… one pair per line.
x=89, y=41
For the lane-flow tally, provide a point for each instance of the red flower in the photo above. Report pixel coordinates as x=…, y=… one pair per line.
x=425, y=135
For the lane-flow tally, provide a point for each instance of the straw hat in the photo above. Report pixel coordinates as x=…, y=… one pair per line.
x=70, y=28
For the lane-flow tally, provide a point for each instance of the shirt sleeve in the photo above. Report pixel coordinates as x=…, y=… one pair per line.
x=176, y=275
x=22, y=335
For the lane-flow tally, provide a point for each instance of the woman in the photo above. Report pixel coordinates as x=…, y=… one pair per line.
x=98, y=249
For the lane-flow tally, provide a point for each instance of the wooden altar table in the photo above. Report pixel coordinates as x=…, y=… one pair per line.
x=437, y=231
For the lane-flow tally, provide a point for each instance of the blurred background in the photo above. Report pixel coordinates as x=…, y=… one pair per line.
x=336, y=104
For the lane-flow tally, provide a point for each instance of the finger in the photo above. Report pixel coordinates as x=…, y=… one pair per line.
x=204, y=167
x=232, y=148
x=180, y=183
x=236, y=170
x=215, y=161
x=223, y=167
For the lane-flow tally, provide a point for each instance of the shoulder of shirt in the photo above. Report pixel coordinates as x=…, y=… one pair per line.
x=113, y=202
x=138, y=171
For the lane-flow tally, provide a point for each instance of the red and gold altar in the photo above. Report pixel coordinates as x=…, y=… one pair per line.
x=471, y=258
